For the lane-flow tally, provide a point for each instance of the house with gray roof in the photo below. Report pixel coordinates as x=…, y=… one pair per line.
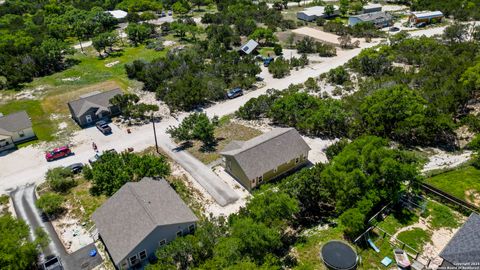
x=265, y=157
x=379, y=19
x=463, y=250
x=312, y=13
x=140, y=218
x=249, y=47
x=15, y=128
x=92, y=107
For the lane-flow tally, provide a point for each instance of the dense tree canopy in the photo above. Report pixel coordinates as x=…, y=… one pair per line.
x=112, y=171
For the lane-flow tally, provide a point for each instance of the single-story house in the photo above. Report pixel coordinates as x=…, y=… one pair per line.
x=265, y=157
x=249, y=47
x=313, y=13
x=93, y=107
x=425, y=16
x=379, y=19
x=15, y=128
x=118, y=14
x=371, y=7
x=140, y=218
x=463, y=250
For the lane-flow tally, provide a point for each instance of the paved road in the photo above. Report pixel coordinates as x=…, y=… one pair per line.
x=28, y=165
x=24, y=203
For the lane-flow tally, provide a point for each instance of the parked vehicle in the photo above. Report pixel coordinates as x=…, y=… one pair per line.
x=97, y=156
x=103, y=127
x=394, y=29
x=163, y=14
x=421, y=25
x=57, y=153
x=170, y=13
x=52, y=263
x=75, y=167
x=267, y=61
x=235, y=92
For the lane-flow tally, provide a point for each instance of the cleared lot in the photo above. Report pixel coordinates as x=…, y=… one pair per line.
x=320, y=35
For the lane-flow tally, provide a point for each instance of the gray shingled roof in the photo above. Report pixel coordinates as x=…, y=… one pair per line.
x=249, y=46
x=267, y=151
x=96, y=100
x=14, y=122
x=464, y=247
x=134, y=211
x=374, y=16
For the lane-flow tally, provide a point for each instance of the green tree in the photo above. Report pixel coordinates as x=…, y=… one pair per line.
x=112, y=171
x=329, y=10
x=17, y=252
x=104, y=41
x=50, y=203
x=273, y=208
x=60, y=179
x=353, y=221
x=279, y=68
x=264, y=36
x=138, y=33
x=344, y=6
x=196, y=126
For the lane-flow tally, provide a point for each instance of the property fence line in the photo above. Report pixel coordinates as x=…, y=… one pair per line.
x=444, y=195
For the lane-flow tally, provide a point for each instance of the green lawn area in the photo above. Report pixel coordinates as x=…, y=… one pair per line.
x=42, y=124
x=307, y=251
x=415, y=238
x=398, y=220
x=89, y=74
x=225, y=133
x=442, y=216
x=463, y=183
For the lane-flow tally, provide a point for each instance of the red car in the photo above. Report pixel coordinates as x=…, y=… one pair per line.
x=57, y=153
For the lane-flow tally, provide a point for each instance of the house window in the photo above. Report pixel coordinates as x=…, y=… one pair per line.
x=162, y=242
x=89, y=119
x=260, y=179
x=297, y=160
x=133, y=260
x=191, y=228
x=253, y=182
x=142, y=255
x=21, y=134
x=179, y=233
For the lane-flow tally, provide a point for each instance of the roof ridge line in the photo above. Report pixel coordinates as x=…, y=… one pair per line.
x=137, y=197
x=243, y=150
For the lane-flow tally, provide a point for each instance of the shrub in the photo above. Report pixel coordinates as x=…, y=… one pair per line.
x=50, y=203
x=336, y=148
x=277, y=49
x=60, y=179
x=338, y=75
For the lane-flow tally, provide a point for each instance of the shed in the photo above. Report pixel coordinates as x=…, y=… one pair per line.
x=118, y=14
x=249, y=47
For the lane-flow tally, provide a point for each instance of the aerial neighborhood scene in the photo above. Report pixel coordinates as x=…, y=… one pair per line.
x=240, y=134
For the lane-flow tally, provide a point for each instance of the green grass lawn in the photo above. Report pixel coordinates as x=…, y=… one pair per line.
x=89, y=74
x=442, y=216
x=397, y=220
x=463, y=183
x=43, y=126
x=415, y=238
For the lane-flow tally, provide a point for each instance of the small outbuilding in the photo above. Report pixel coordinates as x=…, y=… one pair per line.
x=118, y=14
x=463, y=250
x=265, y=157
x=338, y=255
x=140, y=218
x=371, y=7
x=15, y=128
x=249, y=47
x=94, y=106
x=425, y=17
x=312, y=13
x=379, y=19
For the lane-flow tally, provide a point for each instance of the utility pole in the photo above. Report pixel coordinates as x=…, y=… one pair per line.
x=155, y=134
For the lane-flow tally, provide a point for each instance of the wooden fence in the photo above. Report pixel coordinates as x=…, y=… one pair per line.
x=448, y=197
